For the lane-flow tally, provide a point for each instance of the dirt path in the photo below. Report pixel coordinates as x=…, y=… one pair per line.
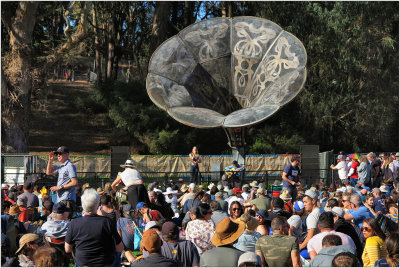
x=57, y=119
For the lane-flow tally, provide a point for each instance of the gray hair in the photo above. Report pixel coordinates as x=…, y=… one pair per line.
x=371, y=154
x=57, y=215
x=90, y=200
x=215, y=206
x=356, y=200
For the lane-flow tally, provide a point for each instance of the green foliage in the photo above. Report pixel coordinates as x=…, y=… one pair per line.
x=165, y=142
x=349, y=102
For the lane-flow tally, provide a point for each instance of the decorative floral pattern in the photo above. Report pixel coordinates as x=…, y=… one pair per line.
x=227, y=70
x=209, y=40
x=200, y=233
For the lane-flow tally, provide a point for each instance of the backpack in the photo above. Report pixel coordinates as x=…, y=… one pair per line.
x=137, y=236
x=14, y=231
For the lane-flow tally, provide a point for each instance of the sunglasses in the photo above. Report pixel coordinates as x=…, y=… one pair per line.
x=234, y=209
x=366, y=229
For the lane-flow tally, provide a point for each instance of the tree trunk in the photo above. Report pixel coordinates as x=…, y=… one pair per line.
x=18, y=78
x=160, y=24
x=189, y=8
x=223, y=9
x=97, y=69
x=110, y=49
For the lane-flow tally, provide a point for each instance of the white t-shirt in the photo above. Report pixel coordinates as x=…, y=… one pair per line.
x=130, y=176
x=312, y=218
x=315, y=243
x=342, y=170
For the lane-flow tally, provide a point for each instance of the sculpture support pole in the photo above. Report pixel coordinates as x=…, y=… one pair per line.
x=237, y=143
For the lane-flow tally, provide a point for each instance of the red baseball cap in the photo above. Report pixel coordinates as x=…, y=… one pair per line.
x=237, y=190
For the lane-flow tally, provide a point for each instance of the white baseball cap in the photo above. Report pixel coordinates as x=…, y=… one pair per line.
x=295, y=221
x=338, y=211
x=192, y=186
x=247, y=257
x=150, y=225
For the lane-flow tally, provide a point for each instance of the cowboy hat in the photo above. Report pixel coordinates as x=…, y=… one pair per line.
x=184, y=188
x=227, y=232
x=170, y=191
x=285, y=195
x=128, y=163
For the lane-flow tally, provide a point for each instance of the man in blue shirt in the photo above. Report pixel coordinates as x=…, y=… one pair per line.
x=359, y=212
x=291, y=176
x=67, y=178
x=379, y=202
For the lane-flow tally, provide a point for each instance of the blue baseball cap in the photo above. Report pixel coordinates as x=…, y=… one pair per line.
x=60, y=208
x=139, y=205
x=298, y=205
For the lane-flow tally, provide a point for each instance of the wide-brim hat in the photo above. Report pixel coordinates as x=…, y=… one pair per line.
x=285, y=196
x=184, y=188
x=128, y=163
x=254, y=184
x=227, y=232
x=170, y=191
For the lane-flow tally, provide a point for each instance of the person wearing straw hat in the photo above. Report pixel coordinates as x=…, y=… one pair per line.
x=184, y=191
x=224, y=254
x=246, y=192
x=285, y=196
x=132, y=179
x=28, y=244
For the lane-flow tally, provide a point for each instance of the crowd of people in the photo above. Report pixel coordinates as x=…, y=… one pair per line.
x=351, y=223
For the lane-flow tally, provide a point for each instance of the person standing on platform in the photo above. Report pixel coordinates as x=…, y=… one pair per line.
x=133, y=182
x=291, y=176
x=194, y=164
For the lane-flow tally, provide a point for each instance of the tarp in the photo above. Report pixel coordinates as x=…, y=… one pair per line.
x=146, y=163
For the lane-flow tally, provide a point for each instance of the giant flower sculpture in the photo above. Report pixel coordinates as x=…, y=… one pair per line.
x=226, y=72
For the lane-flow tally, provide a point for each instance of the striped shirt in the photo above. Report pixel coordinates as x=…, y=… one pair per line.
x=373, y=251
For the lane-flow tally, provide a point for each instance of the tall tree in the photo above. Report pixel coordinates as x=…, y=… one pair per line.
x=160, y=24
x=17, y=75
